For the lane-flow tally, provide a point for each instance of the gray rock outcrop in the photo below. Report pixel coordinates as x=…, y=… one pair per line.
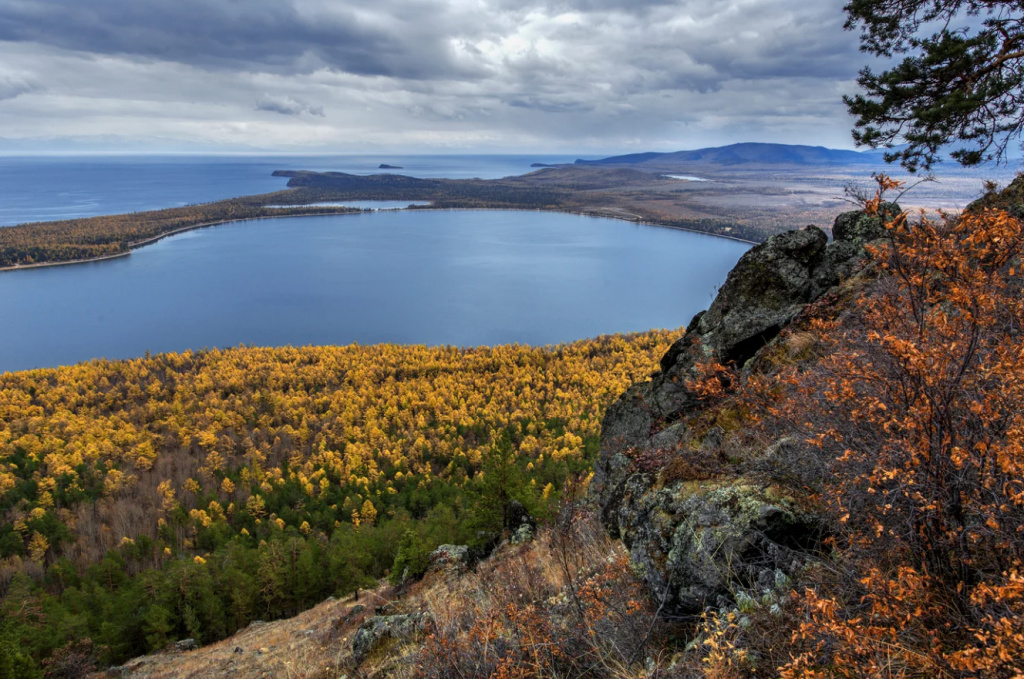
x=696, y=541
x=373, y=633
x=450, y=559
x=186, y=645
x=860, y=228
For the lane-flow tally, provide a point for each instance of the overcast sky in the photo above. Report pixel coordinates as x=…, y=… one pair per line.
x=336, y=76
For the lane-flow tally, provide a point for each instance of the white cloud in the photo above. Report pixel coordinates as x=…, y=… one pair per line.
x=573, y=75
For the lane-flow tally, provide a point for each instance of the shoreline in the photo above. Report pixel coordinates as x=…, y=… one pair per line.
x=632, y=219
x=135, y=245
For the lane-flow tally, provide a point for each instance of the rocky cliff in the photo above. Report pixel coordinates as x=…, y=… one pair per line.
x=696, y=535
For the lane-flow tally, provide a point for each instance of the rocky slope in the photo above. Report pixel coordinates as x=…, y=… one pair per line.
x=313, y=644
x=695, y=535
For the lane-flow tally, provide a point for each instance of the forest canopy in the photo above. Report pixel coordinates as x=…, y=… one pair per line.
x=185, y=495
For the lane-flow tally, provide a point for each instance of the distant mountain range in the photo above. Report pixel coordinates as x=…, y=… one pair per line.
x=749, y=153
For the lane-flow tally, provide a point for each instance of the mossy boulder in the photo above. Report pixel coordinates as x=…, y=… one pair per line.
x=859, y=227
x=376, y=631
x=695, y=543
x=450, y=559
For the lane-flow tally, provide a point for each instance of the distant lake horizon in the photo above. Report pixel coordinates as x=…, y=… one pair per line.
x=51, y=188
x=463, y=278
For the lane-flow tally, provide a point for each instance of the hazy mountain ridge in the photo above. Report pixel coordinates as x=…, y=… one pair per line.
x=749, y=152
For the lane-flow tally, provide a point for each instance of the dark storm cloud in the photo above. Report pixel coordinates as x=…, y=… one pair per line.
x=687, y=45
x=619, y=73
x=386, y=38
x=413, y=39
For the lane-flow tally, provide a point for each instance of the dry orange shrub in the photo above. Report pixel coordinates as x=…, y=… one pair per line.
x=918, y=408
x=908, y=431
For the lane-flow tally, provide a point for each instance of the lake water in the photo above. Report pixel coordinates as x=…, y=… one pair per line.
x=415, y=277
x=45, y=188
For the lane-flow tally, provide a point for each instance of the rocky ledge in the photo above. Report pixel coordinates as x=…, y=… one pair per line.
x=700, y=538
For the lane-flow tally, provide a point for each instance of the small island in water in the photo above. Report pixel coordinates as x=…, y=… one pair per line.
x=385, y=166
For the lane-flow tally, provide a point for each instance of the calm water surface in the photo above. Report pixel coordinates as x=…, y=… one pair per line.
x=462, y=278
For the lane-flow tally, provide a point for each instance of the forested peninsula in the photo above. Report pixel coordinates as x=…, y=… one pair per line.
x=747, y=192
x=87, y=239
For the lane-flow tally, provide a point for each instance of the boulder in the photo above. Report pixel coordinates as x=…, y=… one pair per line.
x=523, y=534
x=450, y=559
x=521, y=526
x=186, y=645
x=696, y=541
x=858, y=227
x=767, y=288
x=377, y=630
x=356, y=610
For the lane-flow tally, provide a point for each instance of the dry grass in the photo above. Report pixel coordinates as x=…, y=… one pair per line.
x=564, y=605
x=313, y=645
x=800, y=344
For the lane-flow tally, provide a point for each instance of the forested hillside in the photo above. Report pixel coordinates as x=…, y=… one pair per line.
x=184, y=495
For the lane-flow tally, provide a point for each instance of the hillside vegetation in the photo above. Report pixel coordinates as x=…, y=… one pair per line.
x=185, y=495
x=822, y=478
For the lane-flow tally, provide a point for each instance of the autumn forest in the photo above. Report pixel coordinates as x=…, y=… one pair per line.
x=185, y=495
x=821, y=476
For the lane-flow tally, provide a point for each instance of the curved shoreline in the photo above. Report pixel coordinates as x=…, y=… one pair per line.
x=135, y=245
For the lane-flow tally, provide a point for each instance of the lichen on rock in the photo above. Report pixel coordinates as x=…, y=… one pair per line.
x=695, y=542
x=382, y=628
x=450, y=559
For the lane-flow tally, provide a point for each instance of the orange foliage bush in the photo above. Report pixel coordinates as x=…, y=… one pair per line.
x=918, y=406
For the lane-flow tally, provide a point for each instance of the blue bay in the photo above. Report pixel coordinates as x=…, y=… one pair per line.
x=435, y=277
